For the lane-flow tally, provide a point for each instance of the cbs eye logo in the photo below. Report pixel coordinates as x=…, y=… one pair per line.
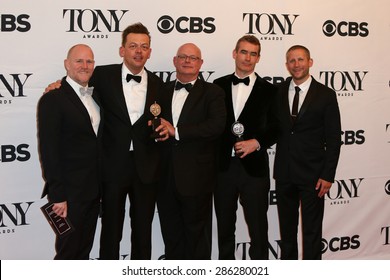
x=167, y=24
x=344, y=28
x=387, y=187
x=340, y=243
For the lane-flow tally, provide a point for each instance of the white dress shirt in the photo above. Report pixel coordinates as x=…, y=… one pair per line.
x=178, y=99
x=240, y=94
x=90, y=104
x=135, y=95
x=302, y=93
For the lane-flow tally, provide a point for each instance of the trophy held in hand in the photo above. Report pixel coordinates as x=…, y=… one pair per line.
x=155, y=109
x=238, y=131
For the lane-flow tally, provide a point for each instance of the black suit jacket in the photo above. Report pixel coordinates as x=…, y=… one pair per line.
x=309, y=148
x=202, y=120
x=119, y=131
x=259, y=119
x=69, y=148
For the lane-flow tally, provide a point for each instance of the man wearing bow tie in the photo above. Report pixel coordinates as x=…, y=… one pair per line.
x=132, y=159
x=194, y=113
x=244, y=173
x=70, y=133
x=131, y=156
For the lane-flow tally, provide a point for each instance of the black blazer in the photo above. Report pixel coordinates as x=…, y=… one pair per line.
x=202, y=120
x=260, y=122
x=308, y=149
x=119, y=131
x=69, y=149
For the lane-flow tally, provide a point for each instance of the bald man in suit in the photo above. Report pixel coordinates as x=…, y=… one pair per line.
x=194, y=112
x=70, y=134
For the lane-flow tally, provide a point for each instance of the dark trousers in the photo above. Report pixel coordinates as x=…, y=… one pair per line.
x=185, y=224
x=252, y=192
x=289, y=198
x=78, y=244
x=142, y=207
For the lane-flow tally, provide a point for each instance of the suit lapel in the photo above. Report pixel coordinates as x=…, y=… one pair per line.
x=193, y=96
x=97, y=100
x=167, y=107
x=308, y=99
x=117, y=92
x=75, y=99
x=151, y=97
x=285, y=106
x=252, y=96
x=227, y=87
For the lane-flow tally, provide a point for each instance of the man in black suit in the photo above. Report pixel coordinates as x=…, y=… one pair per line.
x=131, y=156
x=194, y=112
x=132, y=159
x=69, y=131
x=307, y=154
x=243, y=165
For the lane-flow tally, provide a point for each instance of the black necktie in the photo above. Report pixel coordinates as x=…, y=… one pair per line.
x=294, y=111
x=237, y=80
x=135, y=78
x=179, y=86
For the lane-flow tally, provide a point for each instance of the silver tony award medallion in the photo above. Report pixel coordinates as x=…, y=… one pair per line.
x=155, y=109
x=238, y=131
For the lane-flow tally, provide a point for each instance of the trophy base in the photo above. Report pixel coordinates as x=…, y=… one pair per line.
x=155, y=123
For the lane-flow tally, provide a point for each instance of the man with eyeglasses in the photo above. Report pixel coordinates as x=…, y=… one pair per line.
x=194, y=112
x=244, y=173
x=131, y=157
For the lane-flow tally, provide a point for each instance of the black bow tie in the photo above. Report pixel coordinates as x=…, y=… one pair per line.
x=135, y=78
x=179, y=86
x=237, y=80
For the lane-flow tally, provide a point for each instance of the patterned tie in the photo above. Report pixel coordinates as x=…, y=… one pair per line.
x=130, y=77
x=179, y=86
x=237, y=80
x=86, y=91
x=294, y=111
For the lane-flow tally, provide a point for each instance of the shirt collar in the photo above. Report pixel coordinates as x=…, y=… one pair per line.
x=76, y=87
x=192, y=82
x=252, y=78
x=126, y=71
x=304, y=86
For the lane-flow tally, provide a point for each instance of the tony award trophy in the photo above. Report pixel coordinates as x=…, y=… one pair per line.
x=238, y=131
x=155, y=109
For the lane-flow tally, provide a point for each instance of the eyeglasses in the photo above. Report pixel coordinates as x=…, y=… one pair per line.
x=143, y=47
x=184, y=57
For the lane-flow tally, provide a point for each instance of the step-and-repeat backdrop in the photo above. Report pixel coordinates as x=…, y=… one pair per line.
x=349, y=41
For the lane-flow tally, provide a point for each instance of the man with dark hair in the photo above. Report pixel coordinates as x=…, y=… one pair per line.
x=307, y=153
x=243, y=159
x=131, y=162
